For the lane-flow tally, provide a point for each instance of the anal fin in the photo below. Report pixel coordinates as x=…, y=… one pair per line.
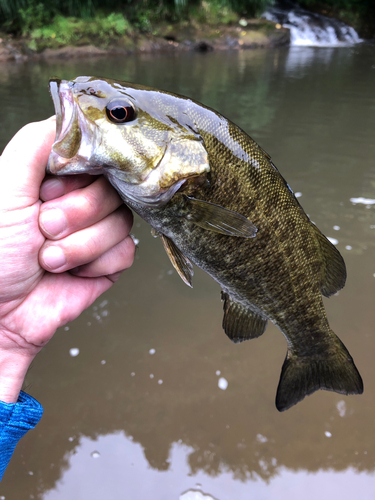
x=240, y=323
x=219, y=219
x=181, y=263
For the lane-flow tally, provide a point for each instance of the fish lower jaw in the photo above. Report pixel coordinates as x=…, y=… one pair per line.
x=144, y=194
x=57, y=165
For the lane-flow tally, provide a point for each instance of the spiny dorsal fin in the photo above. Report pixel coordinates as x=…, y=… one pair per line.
x=240, y=323
x=181, y=263
x=219, y=219
x=334, y=270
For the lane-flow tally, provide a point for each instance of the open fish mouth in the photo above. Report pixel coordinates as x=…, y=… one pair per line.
x=54, y=85
x=75, y=135
x=62, y=96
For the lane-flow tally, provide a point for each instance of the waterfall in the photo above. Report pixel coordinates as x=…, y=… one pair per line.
x=309, y=28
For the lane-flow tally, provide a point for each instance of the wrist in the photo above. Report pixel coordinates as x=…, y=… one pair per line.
x=13, y=369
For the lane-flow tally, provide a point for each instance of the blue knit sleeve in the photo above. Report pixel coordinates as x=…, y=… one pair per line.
x=15, y=420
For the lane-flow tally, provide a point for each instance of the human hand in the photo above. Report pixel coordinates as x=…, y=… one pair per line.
x=57, y=255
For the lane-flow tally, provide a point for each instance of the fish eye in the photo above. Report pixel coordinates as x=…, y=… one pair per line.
x=120, y=111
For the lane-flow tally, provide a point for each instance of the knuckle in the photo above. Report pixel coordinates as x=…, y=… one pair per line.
x=88, y=202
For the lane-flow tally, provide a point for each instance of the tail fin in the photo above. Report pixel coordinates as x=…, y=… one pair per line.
x=301, y=376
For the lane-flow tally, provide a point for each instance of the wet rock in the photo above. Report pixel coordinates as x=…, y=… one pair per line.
x=9, y=52
x=203, y=46
x=69, y=52
x=5, y=54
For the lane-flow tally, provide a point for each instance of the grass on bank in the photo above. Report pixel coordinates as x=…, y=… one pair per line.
x=64, y=31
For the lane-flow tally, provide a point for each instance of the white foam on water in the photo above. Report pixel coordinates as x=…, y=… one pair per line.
x=222, y=383
x=341, y=408
x=152, y=351
x=261, y=438
x=74, y=351
x=328, y=434
x=364, y=201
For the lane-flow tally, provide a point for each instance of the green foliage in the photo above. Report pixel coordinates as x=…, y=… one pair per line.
x=72, y=30
x=249, y=8
x=355, y=5
x=33, y=16
x=28, y=16
x=214, y=12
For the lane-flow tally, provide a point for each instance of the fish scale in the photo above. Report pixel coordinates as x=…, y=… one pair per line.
x=216, y=200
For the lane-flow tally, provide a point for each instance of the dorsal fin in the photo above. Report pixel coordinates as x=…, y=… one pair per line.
x=240, y=323
x=333, y=270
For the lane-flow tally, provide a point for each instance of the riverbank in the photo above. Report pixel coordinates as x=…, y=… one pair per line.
x=84, y=40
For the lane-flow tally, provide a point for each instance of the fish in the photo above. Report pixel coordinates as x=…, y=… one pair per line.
x=216, y=200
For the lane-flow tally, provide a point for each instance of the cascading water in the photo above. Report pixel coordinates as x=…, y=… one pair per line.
x=309, y=28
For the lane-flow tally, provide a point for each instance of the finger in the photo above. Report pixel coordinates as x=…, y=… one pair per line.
x=78, y=209
x=87, y=245
x=71, y=295
x=112, y=262
x=54, y=187
x=23, y=164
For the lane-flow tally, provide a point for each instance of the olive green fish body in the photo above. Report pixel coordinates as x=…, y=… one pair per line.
x=216, y=200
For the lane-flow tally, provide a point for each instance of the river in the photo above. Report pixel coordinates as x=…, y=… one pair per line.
x=159, y=404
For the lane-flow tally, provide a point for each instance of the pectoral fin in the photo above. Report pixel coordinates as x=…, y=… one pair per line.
x=181, y=263
x=240, y=323
x=219, y=219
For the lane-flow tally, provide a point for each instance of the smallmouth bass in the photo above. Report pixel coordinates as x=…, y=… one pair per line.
x=217, y=201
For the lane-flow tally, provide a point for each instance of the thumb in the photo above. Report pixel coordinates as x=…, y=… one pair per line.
x=23, y=164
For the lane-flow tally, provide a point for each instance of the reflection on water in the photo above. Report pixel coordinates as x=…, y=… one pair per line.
x=123, y=470
x=144, y=395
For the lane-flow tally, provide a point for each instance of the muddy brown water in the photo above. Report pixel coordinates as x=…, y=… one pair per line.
x=139, y=413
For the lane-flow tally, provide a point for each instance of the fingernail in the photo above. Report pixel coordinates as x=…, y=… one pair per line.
x=53, y=257
x=53, y=221
x=51, y=189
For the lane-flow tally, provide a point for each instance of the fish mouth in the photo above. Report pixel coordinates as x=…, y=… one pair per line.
x=75, y=136
x=54, y=84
